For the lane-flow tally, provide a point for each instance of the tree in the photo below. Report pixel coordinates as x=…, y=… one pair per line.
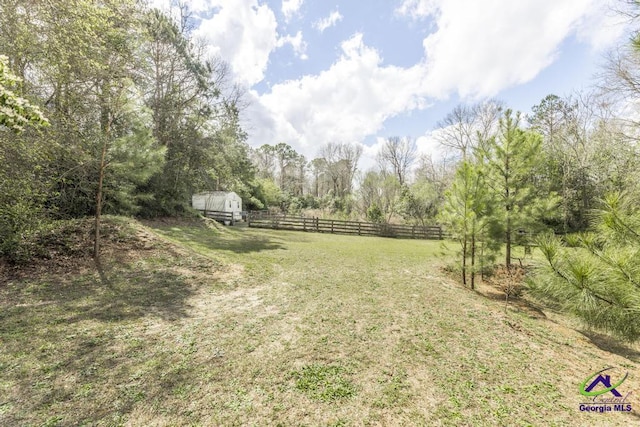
x=574, y=130
x=110, y=36
x=285, y=155
x=512, y=158
x=86, y=73
x=438, y=174
x=381, y=194
x=467, y=213
x=464, y=128
x=15, y=111
x=196, y=116
x=419, y=202
x=264, y=158
x=269, y=193
x=320, y=184
x=596, y=276
x=20, y=197
x=342, y=164
x=299, y=175
x=397, y=155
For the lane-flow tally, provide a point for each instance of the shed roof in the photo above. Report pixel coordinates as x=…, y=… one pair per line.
x=217, y=193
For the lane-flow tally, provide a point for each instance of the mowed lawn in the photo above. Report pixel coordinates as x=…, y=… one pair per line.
x=238, y=326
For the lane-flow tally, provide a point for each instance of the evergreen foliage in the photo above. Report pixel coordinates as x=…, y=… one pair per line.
x=512, y=160
x=596, y=275
x=467, y=213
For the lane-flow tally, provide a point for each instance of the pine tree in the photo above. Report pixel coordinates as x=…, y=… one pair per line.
x=596, y=276
x=467, y=215
x=512, y=157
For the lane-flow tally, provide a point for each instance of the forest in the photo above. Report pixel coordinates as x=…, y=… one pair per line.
x=113, y=108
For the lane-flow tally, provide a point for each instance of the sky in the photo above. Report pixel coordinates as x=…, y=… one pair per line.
x=318, y=71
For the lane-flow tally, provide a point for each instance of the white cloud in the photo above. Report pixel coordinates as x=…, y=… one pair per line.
x=417, y=9
x=476, y=49
x=297, y=43
x=329, y=21
x=603, y=25
x=481, y=48
x=346, y=102
x=243, y=33
x=290, y=8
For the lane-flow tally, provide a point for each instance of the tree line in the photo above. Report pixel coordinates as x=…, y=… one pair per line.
x=139, y=116
x=402, y=187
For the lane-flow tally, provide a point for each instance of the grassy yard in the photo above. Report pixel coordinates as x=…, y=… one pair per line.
x=234, y=326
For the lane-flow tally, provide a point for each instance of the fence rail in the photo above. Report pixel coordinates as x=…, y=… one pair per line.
x=317, y=225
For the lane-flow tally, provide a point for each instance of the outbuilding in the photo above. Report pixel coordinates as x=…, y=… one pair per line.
x=224, y=206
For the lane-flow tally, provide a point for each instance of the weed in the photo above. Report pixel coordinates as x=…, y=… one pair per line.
x=395, y=389
x=326, y=383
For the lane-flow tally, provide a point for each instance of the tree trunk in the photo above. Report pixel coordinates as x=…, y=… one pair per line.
x=508, y=242
x=96, y=242
x=105, y=126
x=508, y=206
x=473, y=257
x=464, y=260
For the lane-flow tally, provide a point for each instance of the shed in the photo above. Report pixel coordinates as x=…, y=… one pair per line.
x=220, y=205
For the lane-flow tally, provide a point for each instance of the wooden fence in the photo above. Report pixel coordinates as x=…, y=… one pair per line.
x=300, y=223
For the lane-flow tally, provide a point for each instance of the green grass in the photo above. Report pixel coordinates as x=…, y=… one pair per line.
x=326, y=383
x=237, y=326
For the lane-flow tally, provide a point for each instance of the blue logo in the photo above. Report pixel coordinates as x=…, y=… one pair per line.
x=605, y=380
x=596, y=389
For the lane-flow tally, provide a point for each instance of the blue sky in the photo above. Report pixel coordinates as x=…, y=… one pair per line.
x=358, y=71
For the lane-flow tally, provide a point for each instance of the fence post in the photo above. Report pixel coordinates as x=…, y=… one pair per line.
x=248, y=219
x=440, y=231
x=304, y=223
x=413, y=232
x=359, y=223
x=332, y=226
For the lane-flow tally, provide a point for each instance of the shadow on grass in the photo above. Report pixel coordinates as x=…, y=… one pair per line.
x=132, y=292
x=611, y=345
x=518, y=302
x=239, y=241
x=76, y=352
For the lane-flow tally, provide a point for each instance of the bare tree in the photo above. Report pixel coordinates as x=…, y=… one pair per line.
x=398, y=154
x=464, y=128
x=341, y=164
x=264, y=159
x=351, y=154
x=331, y=155
x=438, y=173
x=318, y=168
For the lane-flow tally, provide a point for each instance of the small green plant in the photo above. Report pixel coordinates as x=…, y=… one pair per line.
x=395, y=389
x=324, y=382
x=374, y=214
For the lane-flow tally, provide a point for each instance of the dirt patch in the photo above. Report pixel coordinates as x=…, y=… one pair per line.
x=67, y=250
